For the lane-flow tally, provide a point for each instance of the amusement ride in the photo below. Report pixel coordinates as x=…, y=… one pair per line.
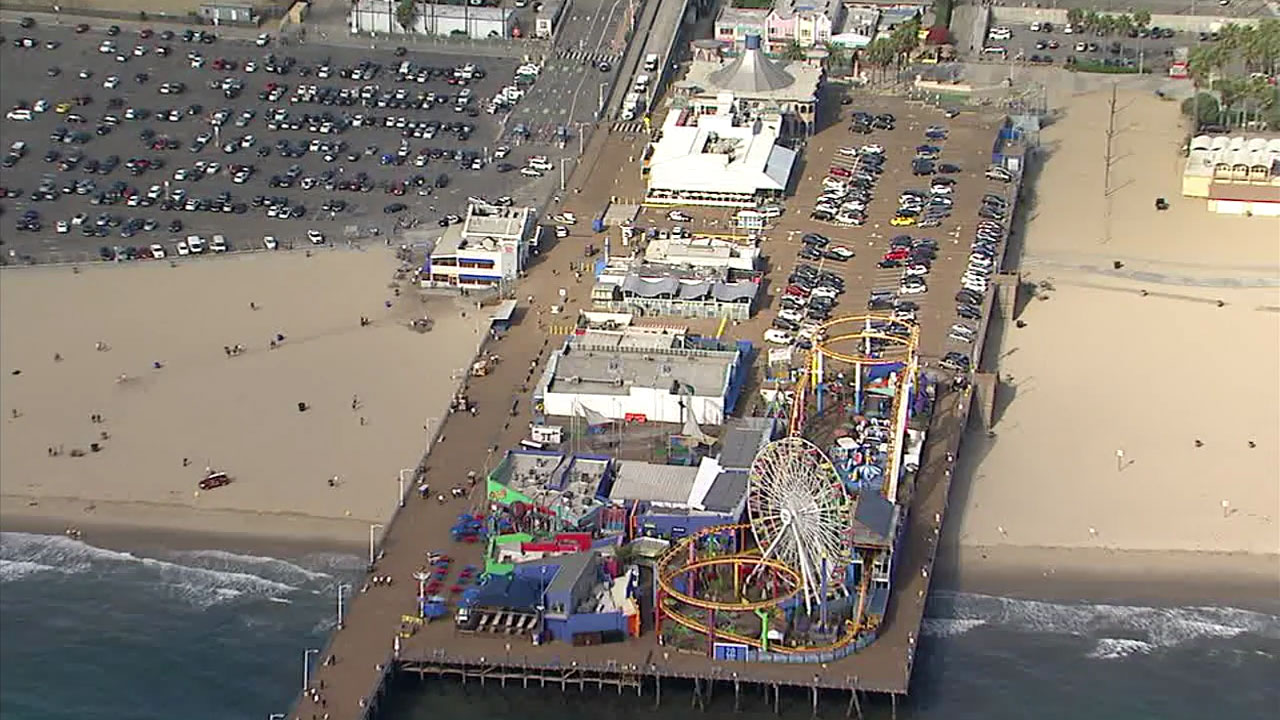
x=808, y=572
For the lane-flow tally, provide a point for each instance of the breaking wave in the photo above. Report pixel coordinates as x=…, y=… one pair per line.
x=212, y=577
x=1118, y=630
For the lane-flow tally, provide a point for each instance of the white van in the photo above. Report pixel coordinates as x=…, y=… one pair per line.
x=629, y=105
x=195, y=244
x=642, y=84
x=651, y=62
x=218, y=244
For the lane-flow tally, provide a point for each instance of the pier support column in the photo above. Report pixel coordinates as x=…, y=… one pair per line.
x=856, y=703
x=893, y=706
x=815, y=700
x=657, y=696
x=777, y=700
x=737, y=694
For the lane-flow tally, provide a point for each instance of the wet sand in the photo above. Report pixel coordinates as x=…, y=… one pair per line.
x=236, y=414
x=1101, y=369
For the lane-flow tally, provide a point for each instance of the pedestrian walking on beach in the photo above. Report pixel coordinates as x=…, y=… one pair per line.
x=253, y=305
x=355, y=402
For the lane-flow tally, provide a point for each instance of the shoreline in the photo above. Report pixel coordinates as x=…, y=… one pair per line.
x=181, y=527
x=1122, y=577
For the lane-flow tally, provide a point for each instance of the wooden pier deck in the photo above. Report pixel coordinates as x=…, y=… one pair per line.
x=351, y=673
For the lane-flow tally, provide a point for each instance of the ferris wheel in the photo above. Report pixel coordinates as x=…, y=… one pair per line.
x=800, y=513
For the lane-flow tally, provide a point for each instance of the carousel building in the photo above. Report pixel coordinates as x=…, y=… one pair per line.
x=761, y=85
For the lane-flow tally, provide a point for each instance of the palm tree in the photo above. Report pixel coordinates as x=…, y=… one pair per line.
x=1141, y=18
x=405, y=12
x=794, y=51
x=837, y=56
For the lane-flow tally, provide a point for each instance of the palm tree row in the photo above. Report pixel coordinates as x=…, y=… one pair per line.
x=1107, y=23
x=1240, y=66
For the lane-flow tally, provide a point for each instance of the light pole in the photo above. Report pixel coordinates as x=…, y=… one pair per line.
x=342, y=588
x=400, y=482
x=373, y=527
x=306, y=667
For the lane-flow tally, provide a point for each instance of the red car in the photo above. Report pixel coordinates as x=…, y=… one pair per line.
x=796, y=291
x=839, y=171
x=899, y=254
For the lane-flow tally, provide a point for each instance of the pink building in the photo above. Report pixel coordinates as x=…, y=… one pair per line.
x=809, y=22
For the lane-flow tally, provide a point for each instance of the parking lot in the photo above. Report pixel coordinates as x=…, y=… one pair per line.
x=967, y=145
x=131, y=117
x=1057, y=47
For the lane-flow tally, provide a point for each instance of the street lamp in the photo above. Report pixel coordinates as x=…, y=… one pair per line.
x=306, y=667
x=373, y=527
x=400, y=480
x=342, y=588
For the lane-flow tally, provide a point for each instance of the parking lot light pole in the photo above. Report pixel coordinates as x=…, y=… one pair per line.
x=373, y=527
x=306, y=667
x=342, y=589
x=400, y=482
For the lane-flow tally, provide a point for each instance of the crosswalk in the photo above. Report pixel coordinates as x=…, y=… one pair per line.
x=561, y=329
x=634, y=127
x=594, y=57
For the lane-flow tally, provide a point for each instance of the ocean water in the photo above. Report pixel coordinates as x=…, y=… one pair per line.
x=93, y=634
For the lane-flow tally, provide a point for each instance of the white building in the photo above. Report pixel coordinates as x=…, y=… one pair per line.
x=379, y=16
x=725, y=157
x=702, y=252
x=760, y=85
x=640, y=375
x=489, y=247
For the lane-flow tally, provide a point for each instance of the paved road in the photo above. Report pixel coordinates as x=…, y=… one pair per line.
x=572, y=85
x=667, y=20
x=78, y=52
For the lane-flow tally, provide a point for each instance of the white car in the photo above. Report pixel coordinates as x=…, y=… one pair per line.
x=567, y=218
x=63, y=227
x=915, y=271
x=913, y=289
x=41, y=105
x=19, y=114
x=530, y=172
x=157, y=251
x=794, y=316
x=269, y=242
x=562, y=231
x=182, y=248
x=679, y=216
x=775, y=336
x=872, y=149
x=841, y=251
x=316, y=237
x=825, y=292
x=262, y=40
x=195, y=244
x=111, y=82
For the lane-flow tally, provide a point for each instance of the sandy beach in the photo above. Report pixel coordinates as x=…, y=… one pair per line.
x=1131, y=423
x=202, y=408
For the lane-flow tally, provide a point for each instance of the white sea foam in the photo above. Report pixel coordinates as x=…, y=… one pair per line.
x=268, y=566
x=1154, y=626
x=949, y=627
x=16, y=569
x=199, y=585
x=1114, y=648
